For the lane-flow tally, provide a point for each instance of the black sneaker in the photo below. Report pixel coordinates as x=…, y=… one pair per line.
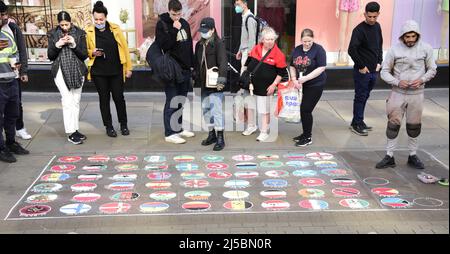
x=386, y=162
x=124, y=130
x=111, y=132
x=80, y=135
x=414, y=161
x=298, y=138
x=75, y=139
x=7, y=156
x=368, y=128
x=359, y=130
x=16, y=148
x=304, y=142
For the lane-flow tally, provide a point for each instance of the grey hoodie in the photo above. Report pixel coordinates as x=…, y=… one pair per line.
x=405, y=63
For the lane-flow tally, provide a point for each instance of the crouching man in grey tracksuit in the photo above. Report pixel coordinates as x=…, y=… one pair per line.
x=407, y=67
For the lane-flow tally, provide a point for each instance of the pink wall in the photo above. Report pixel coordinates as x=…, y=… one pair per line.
x=321, y=18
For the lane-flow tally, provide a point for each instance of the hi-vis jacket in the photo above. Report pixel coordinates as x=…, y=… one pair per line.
x=7, y=74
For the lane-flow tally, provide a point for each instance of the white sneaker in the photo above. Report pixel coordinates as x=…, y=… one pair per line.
x=23, y=134
x=250, y=130
x=262, y=137
x=175, y=139
x=186, y=134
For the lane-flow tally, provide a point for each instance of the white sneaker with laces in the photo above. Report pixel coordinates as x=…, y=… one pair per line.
x=262, y=137
x=250, y=130
x=23, y=134
x=175, y=139
x=186, y=134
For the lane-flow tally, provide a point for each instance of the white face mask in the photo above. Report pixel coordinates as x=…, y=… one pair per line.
x=206, y=35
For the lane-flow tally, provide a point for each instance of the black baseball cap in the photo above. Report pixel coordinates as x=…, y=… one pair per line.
x=206, y=25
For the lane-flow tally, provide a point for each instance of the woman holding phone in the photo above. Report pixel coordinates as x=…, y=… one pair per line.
x=109, y=65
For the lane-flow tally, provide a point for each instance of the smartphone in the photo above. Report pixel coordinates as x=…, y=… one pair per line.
x=101, y=50
x=4, y=39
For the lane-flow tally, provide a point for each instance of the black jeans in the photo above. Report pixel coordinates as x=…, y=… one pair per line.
x=179, y=93
x=364, y=84
x=107, y=85
x=9, y=111
x=19, y=123
x=310, y=98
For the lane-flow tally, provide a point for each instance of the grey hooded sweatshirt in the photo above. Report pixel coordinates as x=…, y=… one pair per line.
x=409, y=63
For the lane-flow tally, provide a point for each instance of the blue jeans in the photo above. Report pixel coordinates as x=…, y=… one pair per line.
x=179, y=92
x=9, y=111
x=364, y=84
x=213, y=111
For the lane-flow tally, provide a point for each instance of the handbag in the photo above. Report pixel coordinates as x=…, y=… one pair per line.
x=212, y=75
x=246, y=77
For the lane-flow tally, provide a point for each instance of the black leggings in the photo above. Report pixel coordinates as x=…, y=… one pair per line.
x=107, y=85
x=311, y=96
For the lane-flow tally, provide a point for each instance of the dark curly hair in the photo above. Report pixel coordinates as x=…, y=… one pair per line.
x=100, y=8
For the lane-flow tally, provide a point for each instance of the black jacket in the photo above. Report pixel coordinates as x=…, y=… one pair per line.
x=21, y=47
x=215, y=57
x=53, y=52
x=181, y=49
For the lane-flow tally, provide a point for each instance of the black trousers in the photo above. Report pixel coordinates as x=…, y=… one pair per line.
x=19, y=123
x=310, y=98
x=107, y=86
x=9, y=111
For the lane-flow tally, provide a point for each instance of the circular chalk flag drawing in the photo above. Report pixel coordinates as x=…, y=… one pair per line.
x=298, y=164
x=217, y=166
x=238, y=205
x=213, y=158
x=120, y=186
x=55, y=177
x=86, y=197
x=277, y=173
x=159, y=175
x=271, y=164
x=376, y=181
x=237, y=184
x=155, y=159
x=75, y=209
x=158, y=185
x=197, y=195
x=247, y=165
x=246, y=174
x=185, y=167
x=311, y=193
x=275, y=205
x=236, y=194
x=428, y=202
x=220, y=175
x=70, y=159
x=354, y=203
x=125, y=196
x=99, y=158
x=127, y=167
x=125, y=177
x=90, y=177
x=47, y=187
x=334, y=172
x=63, y=168
x=344, y=192
x=385, y=192
x=304, y=173
x=193, y=175
x=275, y=183
x=268, y=157
x=325, y=164
x=319, y=156
x=82, y=187
x=196, y=206
x=342, y=181
x=273, y=194
x=156, y=166
x=195, y=184
x=396, y=202
x=126, y=159
x=313, y=204
x=163, y=195
x=184, y=158
x=311, y=182
x=34, y=210
x=42, y=198
x=243, y=157
x=114, y=208
x=295, y=156
x=95, y=168
x=153, y=207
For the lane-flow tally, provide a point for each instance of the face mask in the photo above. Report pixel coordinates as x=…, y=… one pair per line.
x=100, y=26
x=239, y=9
x=206, y=35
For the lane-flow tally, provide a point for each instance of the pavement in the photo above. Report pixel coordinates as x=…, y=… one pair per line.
x=332, y=116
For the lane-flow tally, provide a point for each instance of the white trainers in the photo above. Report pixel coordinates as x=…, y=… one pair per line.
x=262, y=137
x=250, y=130
x=175, y=139
x=23, y=134
x=186, y=134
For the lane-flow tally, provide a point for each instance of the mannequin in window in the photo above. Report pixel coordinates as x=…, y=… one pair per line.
x=443, y=50
x=346, y=12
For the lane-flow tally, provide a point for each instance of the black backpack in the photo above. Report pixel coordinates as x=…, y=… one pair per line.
x=260, y=25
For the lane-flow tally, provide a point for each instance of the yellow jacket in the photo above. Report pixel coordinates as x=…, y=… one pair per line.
x=124, y=52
